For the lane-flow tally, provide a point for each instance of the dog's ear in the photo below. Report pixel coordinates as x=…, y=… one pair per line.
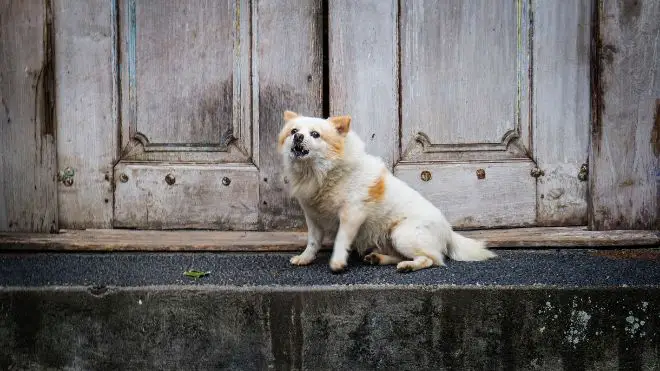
x=289, y=115
x=341, y=123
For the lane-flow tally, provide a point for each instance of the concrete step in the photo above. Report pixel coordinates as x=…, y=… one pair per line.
x=541, y=309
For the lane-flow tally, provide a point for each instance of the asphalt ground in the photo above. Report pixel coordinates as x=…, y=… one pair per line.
x=569, y=267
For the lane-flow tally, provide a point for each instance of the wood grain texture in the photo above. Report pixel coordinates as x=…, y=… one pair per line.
x=86, y=109
x=364, y=71
x=28, y=161
x=287, y=70
x=461, y=80
x=129, y=240
x=197, y=199
x=625, y=163
x=562, y=36
x=505, y=196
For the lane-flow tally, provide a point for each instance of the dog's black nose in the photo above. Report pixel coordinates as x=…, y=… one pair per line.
x=298, y=137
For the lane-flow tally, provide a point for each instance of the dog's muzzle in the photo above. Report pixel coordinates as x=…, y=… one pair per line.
x=298, y=150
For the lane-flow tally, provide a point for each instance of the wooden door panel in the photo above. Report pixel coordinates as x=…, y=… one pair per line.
x=184, y=58
x=464, y=107
x=186, y=196
x=464, y=78
x=186, y=85
x=186, y=115
x=477, y=194
x=459, y=75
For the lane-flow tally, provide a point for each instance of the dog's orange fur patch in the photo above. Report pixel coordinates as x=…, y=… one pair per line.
x=377, y=190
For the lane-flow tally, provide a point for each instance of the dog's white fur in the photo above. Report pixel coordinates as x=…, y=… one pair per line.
x=347, y=193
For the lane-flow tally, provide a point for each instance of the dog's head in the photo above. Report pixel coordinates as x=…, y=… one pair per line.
x=309, y=138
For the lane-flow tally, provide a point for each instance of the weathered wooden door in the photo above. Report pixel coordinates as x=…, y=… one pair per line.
x=186, y=159
x=483, y=111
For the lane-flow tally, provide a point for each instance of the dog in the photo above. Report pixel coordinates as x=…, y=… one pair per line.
x=349, y=194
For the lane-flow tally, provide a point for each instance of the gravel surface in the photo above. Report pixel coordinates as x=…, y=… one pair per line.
x=577, y=268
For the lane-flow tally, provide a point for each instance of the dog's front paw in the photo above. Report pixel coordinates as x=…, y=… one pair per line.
x=337, y=265
x=301, y=259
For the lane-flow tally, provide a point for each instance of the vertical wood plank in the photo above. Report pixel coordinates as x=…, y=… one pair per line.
x=287, y=70
x=28, y=162
x=363, y=71
x=561, y=108
x=625, y=163
x=86, y=109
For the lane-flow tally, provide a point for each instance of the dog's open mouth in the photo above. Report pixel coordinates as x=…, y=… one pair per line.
x=299, y=151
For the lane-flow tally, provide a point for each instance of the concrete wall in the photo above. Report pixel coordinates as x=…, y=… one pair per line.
x=360, y=328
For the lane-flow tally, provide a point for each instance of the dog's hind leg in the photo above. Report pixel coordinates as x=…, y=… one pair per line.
x=416, y=242
x=419, y=262
x=375, y=258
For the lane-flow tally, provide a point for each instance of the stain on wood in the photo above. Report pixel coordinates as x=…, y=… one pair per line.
x=630, y=10
x=28, y=161
x=131, y=240
x=281, y=83
x=623, y=153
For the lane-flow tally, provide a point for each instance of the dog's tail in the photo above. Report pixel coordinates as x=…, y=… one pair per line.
x=462, y=248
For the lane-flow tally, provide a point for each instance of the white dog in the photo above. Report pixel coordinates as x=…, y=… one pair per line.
x=351, y=195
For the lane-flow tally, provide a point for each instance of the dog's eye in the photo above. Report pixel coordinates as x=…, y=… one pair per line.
x=293, y=131
x=315, y=134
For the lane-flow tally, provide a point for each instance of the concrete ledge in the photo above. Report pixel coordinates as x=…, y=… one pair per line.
x=346, y=328
x=546, y=310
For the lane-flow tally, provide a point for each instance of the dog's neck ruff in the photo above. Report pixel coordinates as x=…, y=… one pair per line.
x=308, y=179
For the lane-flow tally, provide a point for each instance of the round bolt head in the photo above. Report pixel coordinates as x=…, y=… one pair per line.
x=536, y=172
x=123, y=178
x=68, y=182
x=583, y=174
x=425, y=175
x=226, y=181
x=170, y=179
x=481, y=174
